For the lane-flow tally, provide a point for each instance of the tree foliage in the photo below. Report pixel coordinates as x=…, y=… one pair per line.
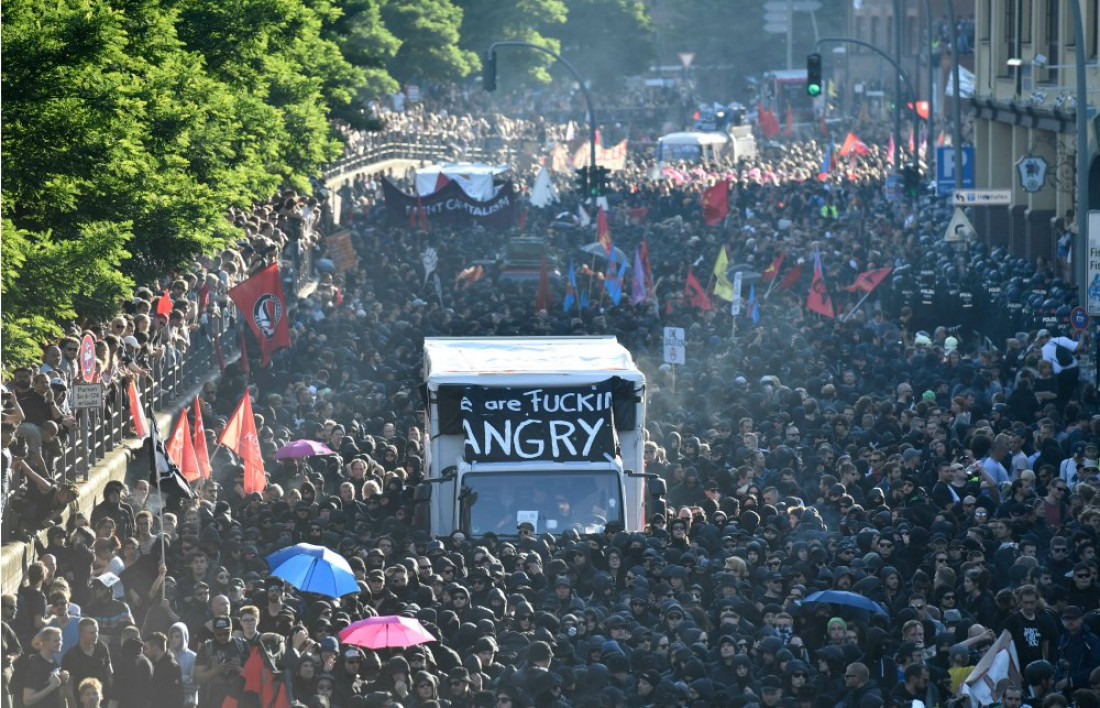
x=608, y=39
x=129, y=127
x=535, y=21
x=429, y=34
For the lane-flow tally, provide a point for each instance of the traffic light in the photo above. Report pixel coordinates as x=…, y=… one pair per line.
x=813, y=74
x=582, y=181
x=600, y=180
x=911, y=181
x=489, y=71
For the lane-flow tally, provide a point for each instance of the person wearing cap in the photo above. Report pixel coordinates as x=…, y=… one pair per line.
x=218, y=663
x=1078, y=651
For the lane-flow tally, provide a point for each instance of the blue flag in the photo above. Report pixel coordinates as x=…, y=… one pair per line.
x=570, y=289
x=754, y=306
x=613, y=280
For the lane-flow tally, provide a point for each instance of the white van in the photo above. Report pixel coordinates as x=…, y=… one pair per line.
x=707, y=148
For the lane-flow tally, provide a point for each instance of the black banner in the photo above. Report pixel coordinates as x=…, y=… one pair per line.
x=451, y=206
x=563, y=424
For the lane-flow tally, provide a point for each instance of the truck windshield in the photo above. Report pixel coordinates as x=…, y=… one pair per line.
x=550, y=501
x=675, y=152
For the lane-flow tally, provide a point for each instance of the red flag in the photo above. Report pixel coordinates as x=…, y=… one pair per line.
x=769, y=124
x=890, y=149
x=788, y=132
x=648, y=268
x=853, y=145
x=262, y=305
x=716, y=203
x=791, y=278
x=773, y=270
x=137, y=411
x=818, y=300
x=218, y=351
x=240, y=437
x=164, y=304
x=182, y=449
x=281, y=700
x=868, y=280
x=695, y=293
x=911, y=150
x=637, y=215
x=202, y=454
x=204, y=297
x=441, y=181
x=603, y=231
x=942, y=139
x=542, y=295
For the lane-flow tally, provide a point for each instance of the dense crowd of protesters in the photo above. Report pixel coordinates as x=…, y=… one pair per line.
x=933, y=452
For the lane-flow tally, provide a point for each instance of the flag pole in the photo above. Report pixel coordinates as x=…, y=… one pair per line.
x=771, y=285
x=856, y=307
x=153, y=436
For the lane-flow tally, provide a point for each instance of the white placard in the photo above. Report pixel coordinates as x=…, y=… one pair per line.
x=87, y=396
x=674, y=345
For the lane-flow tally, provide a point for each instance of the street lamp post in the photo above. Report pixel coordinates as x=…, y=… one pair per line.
x=584, y=91
x=1081, y=243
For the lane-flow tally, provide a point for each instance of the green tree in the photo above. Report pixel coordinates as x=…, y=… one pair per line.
x=608, y=39
x=366, y=43
x=535, y=21
x=46, y=281
x=429, y=34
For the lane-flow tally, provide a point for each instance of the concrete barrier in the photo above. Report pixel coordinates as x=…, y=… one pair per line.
x=16, y=556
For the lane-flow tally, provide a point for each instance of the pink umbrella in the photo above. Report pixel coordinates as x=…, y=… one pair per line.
x=390, y=631
x=303, y=448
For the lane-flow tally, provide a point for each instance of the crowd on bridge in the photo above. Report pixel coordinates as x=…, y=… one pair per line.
x=932, y=450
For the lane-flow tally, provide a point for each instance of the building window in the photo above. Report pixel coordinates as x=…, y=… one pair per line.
x=987, y=16
x=1025, y=21
x=1011, y=37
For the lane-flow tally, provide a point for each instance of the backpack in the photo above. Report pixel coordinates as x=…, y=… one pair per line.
x=1064, y=355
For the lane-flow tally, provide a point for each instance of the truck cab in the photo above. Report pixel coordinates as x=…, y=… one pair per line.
x=546, y=431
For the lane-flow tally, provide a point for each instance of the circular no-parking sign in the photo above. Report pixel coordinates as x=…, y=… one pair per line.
x=87, y=358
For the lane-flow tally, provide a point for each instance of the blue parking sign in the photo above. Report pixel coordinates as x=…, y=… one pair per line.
x=945, y=169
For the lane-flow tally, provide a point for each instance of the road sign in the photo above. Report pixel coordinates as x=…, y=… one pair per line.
x=983, y=197
x=775, y=16
x=893, y=187
x=776, y=28
x=1076, y=336
x=735, y=305
x=959, y=228
x=1092, y=264
x=1079, y=318
x=674, y=345
x=686, y=58
x=945, y=169
x=87, y=396
x=87, y=358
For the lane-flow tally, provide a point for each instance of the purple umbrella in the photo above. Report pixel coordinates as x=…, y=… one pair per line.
x=302, y=448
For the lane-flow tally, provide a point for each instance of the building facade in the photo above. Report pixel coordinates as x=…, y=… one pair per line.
x=1024, y=120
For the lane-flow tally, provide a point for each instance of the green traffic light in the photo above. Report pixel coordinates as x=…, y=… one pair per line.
x=813, y=89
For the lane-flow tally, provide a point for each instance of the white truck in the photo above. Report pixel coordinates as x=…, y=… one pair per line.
x=543, y=430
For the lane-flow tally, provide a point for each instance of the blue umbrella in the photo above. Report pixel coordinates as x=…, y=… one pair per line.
x=314, y=569
x=846, y=599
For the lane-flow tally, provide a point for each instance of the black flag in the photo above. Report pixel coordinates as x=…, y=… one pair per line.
x=164, y=474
